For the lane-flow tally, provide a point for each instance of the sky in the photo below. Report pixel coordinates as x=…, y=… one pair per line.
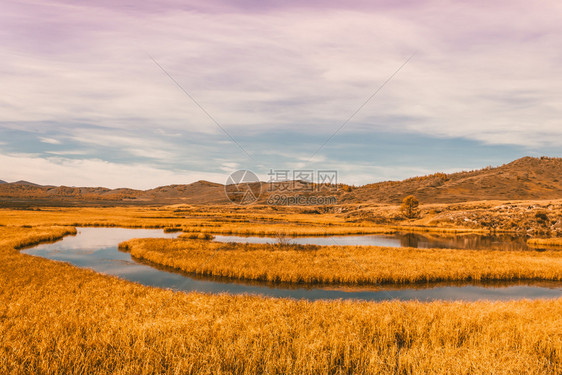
x=142, y=94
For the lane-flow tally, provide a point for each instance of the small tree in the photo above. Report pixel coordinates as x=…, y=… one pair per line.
x=410, y=207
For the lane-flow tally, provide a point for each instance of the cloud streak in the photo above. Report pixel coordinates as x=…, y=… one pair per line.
x=89, y=172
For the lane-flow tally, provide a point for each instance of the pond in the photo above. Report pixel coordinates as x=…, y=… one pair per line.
x=401, y=239
x=96, y=248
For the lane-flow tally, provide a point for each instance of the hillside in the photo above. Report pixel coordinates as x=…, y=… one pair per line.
x=525, y=178
x=197, y=192
x=26, y=193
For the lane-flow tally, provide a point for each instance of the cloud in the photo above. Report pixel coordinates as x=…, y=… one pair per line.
x=474, y=75
x=51, y=141
x=144, y=147
x=67, y=152
x=230, y=167
x=482, y=71
x=94, y=172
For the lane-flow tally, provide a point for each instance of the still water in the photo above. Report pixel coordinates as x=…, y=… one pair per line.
x=425, y=241
x=96, y=248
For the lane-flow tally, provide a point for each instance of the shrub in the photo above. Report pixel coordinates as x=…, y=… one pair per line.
x=410, y=207
x=541, y=216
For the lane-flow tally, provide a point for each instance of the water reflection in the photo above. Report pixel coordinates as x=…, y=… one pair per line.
x=409, y=240
x=404, y=239
x=96, y=248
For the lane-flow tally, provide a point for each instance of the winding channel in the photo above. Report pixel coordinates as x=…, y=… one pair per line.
x=96, y=249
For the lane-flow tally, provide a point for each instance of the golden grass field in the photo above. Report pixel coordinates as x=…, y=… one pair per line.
x=345, y=264
x=56, y=318
x=218, y=220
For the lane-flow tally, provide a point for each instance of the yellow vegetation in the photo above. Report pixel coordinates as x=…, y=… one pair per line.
x=345, y=264
x=536, y=242
x=20, y=237
x=217, y=220
x=55, y=318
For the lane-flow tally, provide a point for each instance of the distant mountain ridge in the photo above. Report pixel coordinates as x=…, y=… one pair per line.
x=525, y=178
x=198, y=192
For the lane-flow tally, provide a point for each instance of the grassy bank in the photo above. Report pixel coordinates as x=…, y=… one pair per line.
x=289, y=230
x=344, y=264
x=20, y=237
x=216, y=220
x=538, y=242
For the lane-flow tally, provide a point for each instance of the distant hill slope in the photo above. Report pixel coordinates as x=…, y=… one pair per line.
x=525, y=178
x=3, y=182
x=22, y=182
x=198, y=192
